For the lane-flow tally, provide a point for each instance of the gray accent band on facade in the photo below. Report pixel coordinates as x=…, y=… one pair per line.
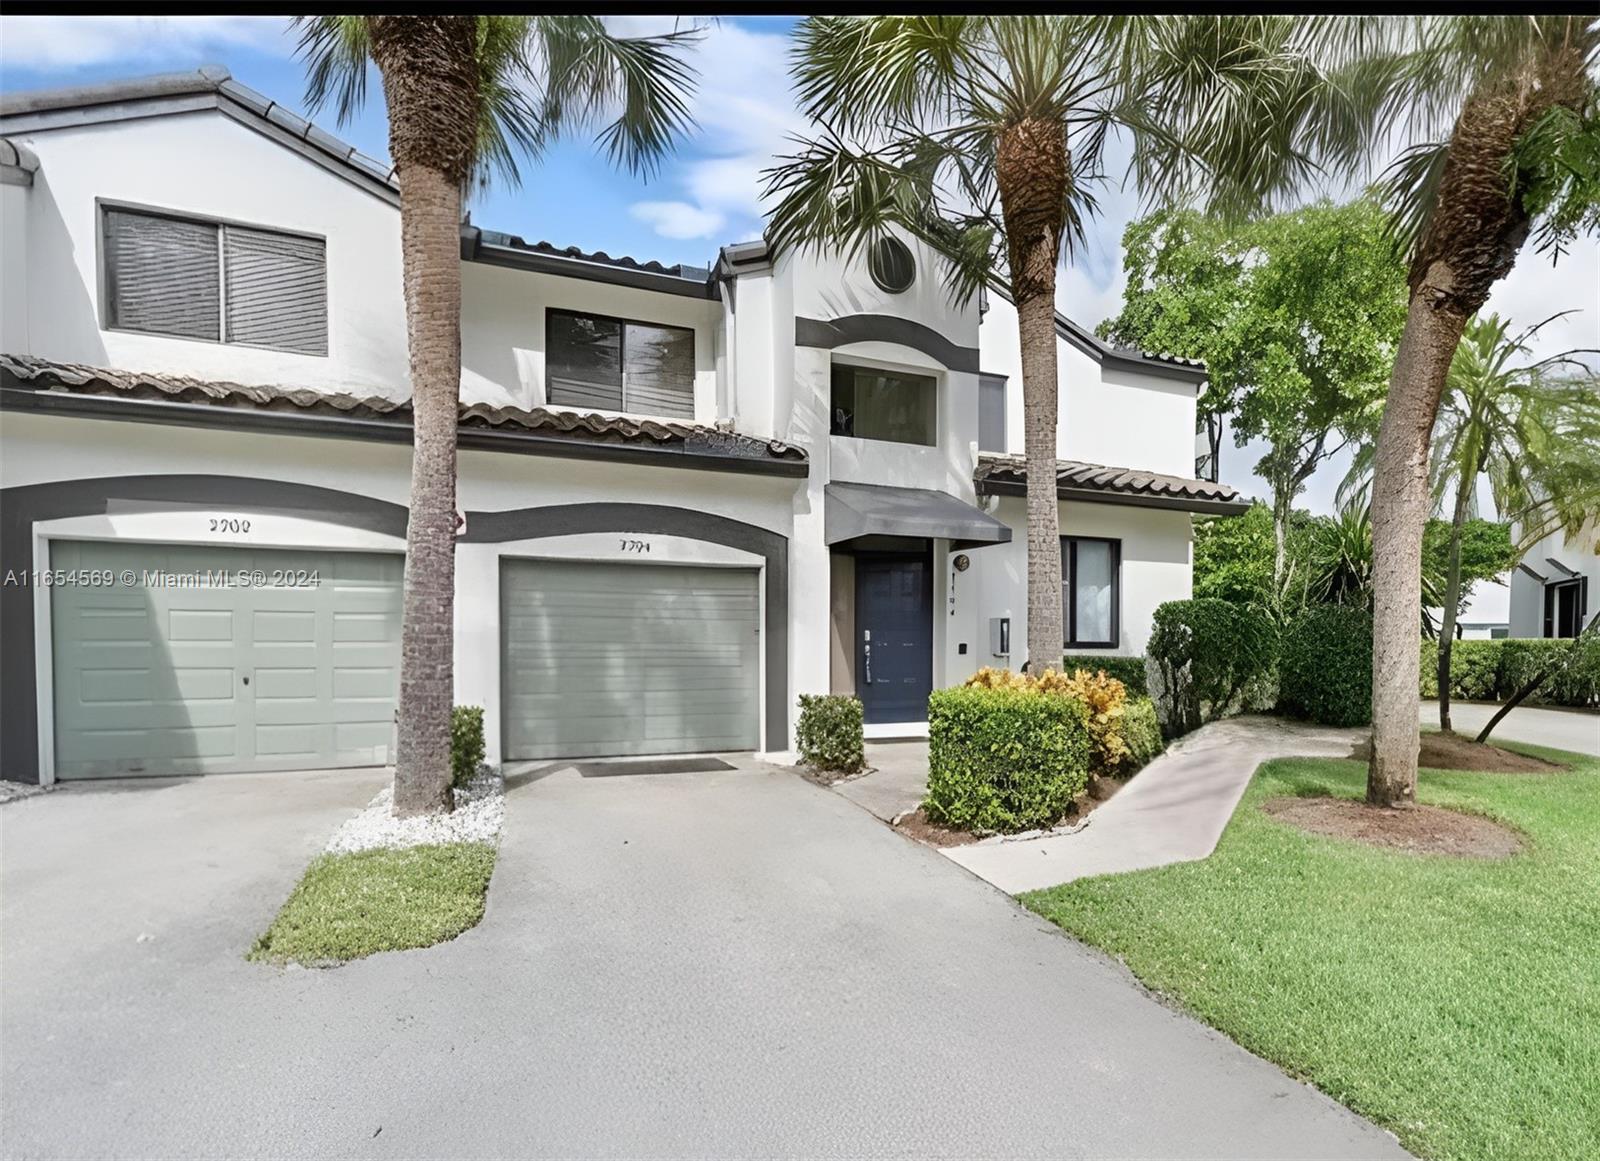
x=1094, y=496
x=24, y=506
x=567, y=519
x=884, y=328
x=278, y=422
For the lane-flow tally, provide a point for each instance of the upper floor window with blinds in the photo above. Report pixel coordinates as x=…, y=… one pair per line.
x=617, y=365
x=213, y=280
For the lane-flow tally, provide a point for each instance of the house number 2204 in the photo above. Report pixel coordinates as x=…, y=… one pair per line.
x=635, y=545
x=229, y=524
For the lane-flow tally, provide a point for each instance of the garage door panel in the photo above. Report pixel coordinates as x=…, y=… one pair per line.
x=200, y=678
x=615, y=659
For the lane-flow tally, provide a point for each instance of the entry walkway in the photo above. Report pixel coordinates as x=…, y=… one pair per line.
x=1174, y=811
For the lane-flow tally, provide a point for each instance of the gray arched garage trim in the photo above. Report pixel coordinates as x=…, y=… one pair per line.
x=566, y=519
x=22, y=507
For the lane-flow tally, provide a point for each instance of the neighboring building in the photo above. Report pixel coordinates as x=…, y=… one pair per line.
x=689, y=495
x=1550, y=587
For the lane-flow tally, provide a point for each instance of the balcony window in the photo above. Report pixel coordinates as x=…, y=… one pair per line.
x=885, y=405
x=593, y=361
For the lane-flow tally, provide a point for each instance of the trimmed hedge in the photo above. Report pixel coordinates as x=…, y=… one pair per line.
x=1494, y=669
x=830, y=734
x=1128, y=670
x=1325, y=667
x=1141, y=733
x=466, y=743
x=1004, y=759
x=1206, y=653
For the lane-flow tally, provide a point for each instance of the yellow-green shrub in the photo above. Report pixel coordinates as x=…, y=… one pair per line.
x=1102, y=696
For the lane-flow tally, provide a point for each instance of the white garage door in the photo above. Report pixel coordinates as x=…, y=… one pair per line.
x=614, y=659
x=188, y=671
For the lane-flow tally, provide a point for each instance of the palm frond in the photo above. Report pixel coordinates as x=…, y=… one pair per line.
x=337, y=51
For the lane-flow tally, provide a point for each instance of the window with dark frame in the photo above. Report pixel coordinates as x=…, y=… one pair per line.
x=189, y=278
x=992, y=413
x=1565, y=607
x=1091, y=591
x=618, y=365
x=887, y=405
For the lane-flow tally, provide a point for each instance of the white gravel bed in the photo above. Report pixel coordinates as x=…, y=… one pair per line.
x=11, y=791
x=480, y=811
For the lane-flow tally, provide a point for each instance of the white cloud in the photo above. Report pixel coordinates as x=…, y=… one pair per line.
x=744, y=111
x=62, y=42
x=678, y=219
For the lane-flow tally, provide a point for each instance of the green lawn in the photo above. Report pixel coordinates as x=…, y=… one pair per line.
x=1456, y=1002
x=349, y=906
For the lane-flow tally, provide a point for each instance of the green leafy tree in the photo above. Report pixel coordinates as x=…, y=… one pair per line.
x=1296, y=316
x=466, y=95
x=1235, y=560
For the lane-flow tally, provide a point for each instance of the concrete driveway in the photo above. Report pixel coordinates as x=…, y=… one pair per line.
x=1562, y=729
x=720, y=964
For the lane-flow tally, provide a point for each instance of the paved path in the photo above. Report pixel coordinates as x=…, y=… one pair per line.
x=1563, y=729
x=898, y=782
x=728, y=964
x=1173, y=811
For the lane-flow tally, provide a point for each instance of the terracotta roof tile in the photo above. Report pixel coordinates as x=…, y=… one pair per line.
x=1006, y=473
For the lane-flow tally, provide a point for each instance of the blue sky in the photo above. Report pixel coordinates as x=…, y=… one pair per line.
x=707, y=195
x=703, y=197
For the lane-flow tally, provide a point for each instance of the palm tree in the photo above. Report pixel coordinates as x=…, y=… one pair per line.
x=1536, y=437
x=1500, y=116
x=465, y=95
x=983, y=136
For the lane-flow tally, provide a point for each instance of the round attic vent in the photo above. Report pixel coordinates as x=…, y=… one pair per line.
x=891, y=265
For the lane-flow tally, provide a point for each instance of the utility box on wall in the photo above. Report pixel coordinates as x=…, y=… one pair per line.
x=1000, y=636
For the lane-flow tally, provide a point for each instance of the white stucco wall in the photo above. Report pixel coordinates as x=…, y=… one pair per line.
x=1580, y=553
x=14, y=201
x=1156, y=567
x=1118, y=418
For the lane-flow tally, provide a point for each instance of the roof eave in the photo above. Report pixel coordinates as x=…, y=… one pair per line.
x=993, y=487
x=475, y=249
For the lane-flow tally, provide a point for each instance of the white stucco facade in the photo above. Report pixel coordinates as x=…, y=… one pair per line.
x=91, y=463
x=1558, y=570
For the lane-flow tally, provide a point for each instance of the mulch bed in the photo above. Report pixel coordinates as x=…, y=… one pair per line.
x=919, y=826
x=1429, y=830
x=1455, y=752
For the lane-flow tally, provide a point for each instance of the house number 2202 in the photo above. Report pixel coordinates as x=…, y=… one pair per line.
x=229, y=524
x=635, y=545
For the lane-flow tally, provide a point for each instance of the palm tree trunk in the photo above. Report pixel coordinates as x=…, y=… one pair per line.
x=1031, y=171
x=1474, y=233
x=1400, y=503
x=430, y=215
x=1452, y=597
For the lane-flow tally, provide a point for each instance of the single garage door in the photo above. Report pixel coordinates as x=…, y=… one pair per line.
x=191, y=672
x=612, y=659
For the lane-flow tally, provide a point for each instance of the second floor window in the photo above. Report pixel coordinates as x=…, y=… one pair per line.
x=211, y=280
x=887, y=405
x=617, y=365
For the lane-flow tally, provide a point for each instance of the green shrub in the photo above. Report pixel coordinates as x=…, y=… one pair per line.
x=1141, y=733
x=1004, y=759
x=466, y=743
x=1206, y=653
x=1428, y=672
x=830, y=734
x=1325, y=669
x=1128, y=670
x=1474, y=669
x=1522, y=657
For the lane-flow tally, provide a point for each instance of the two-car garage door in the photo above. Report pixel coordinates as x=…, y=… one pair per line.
x=603, y=659
x=189, y=671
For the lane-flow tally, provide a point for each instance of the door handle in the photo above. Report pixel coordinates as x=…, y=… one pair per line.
x=866, y=654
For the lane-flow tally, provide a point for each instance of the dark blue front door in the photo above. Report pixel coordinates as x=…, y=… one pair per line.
x=894, y=637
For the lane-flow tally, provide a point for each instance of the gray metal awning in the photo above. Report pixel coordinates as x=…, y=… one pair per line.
x=879, y=510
